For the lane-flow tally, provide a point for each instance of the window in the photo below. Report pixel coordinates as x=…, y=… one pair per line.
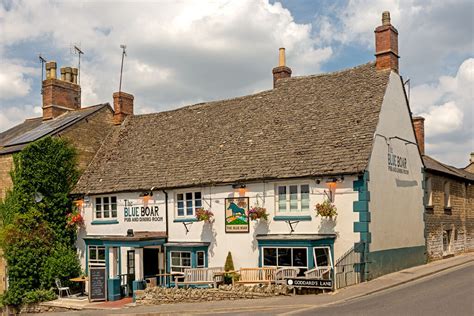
x=286, y=257
x=97, y=255
x=131, y=262
x=293, y=198
x=200, y=261
x=180, y=260
x=187, y=203
x=106, y=207
x=428, y=195
x=447, y=241
x=447, y=198
x=322, y=257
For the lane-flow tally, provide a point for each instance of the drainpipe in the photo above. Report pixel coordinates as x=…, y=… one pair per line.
x=167, y=229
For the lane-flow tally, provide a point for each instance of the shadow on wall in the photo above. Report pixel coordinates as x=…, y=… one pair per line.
x=328, y=226
x=209, y=234
x=261, y=228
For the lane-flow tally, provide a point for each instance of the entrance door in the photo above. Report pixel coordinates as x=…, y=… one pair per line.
x=150, y=262
x=130, y=270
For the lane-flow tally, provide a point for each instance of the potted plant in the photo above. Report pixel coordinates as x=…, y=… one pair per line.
x=326, y=209
x=204, y=215
x=258, y=212
x=74, y=219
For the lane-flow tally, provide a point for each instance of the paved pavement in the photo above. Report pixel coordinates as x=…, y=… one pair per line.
x=311, y=304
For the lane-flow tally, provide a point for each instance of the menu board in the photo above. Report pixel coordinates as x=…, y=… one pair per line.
x=97, y=284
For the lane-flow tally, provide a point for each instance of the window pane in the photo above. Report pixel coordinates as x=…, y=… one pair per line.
x=186, y=255
x=293, y=197
x=189, y=206
x=180, y=197
x=106, y=200
x=113, y=199
x=200, y=259
x=322, y=257
x=180, y=208
x=284, y=257
x=305, y=197
x=101, y=253
x=197, y=203
x=175, y=261
x=189, y=196
x=98, y=214
x=92, y=253
x=282, y=198
x=269, y=256
x=299, y=257
x=197, y=195
x=186, y=262
x=98, y=201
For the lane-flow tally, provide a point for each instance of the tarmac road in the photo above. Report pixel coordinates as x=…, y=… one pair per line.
x=447, y=293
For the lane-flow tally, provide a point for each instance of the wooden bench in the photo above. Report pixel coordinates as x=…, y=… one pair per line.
x=200, y=276
x=282, y=274
x=256, y=275
x=319, y=273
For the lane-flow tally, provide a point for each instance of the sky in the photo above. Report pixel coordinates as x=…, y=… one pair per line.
x=190, y=51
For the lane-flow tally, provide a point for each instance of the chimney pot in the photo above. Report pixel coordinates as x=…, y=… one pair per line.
x=386, y=18
x=386, y=45
x=51, y=70
x=123, y=106
x=282, y=71
x=419, y=126
x=74, y=75
x=63, y=74
x=68, y=71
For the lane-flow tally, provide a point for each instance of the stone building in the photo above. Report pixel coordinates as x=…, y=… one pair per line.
x=85, y=127
x=309, y=140
x=449, y=208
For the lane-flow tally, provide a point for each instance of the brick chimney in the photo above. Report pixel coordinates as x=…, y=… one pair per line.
x=123, y=106
x=386, y=45
x=60, y=95
x=282, y=71
x=419, y=126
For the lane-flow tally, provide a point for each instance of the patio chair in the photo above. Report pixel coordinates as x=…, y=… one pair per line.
x=62, y=289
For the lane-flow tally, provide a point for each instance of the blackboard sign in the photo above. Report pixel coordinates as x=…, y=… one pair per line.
x=310, y=283
x=97, y=284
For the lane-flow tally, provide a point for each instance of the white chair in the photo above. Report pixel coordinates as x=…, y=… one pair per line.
x=62, y=289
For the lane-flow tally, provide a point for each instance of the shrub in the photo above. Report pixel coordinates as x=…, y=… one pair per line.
x=37, y=296
x=63, y=264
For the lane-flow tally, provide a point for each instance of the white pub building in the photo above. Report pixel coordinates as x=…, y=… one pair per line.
x=343, y=139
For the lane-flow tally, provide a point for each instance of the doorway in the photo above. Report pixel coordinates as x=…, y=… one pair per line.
x=150, y=262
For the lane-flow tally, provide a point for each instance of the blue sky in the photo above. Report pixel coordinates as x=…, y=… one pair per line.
x=184, y=52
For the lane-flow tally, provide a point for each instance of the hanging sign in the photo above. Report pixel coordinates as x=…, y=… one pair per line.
x=236, y=215
x=310, y=283
x=97, y=283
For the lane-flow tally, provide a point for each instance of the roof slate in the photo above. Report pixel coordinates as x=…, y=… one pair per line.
x=306, y=126
x=8, y=139
x=434, y=165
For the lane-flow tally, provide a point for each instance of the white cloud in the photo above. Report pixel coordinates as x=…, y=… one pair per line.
x=447, y=108
x=14, y=82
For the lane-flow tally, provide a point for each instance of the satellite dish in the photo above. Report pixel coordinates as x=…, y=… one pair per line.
x=38, y=197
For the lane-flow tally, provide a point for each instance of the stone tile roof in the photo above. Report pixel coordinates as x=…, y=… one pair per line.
x=439, y=167
x=306, y=126
x=53, y=126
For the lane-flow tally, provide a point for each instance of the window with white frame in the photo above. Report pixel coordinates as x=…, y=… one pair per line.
x=105, y=207
x=200, y=259
x=292, y=198
x=187, y=203
x=322, y=257
x=180, y=260
x=97, y=255
x=285, y=257
x=428, y=192
x=447, y=196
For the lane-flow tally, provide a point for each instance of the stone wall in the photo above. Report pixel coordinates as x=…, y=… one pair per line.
x=87, y=135
x=161, y=295
x=459, y=219
x=6, y=164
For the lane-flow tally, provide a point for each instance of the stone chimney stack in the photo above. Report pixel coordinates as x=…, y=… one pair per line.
x=419, y=126
x=282, y=71
x=60, y=95
x=386, y=45
x=123, y=106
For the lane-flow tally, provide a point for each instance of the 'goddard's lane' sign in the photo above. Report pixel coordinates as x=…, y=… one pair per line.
x=311, y=283
x=141, y=213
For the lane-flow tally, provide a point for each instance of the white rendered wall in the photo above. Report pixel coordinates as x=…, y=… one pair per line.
x=396, y=205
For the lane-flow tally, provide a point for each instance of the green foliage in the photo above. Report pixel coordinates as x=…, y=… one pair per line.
x=37, y=245
x=229, y=263
x=326, y=209
x=62, y=264
x=37, y=296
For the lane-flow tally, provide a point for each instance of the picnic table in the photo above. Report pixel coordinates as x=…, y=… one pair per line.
x=83, y=280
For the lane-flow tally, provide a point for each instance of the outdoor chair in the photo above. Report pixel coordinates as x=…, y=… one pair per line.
x=62, y=289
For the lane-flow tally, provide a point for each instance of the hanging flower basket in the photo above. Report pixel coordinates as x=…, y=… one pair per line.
x=204, y=215
x=326, y=209
x=258, y=212
x=74, y=220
